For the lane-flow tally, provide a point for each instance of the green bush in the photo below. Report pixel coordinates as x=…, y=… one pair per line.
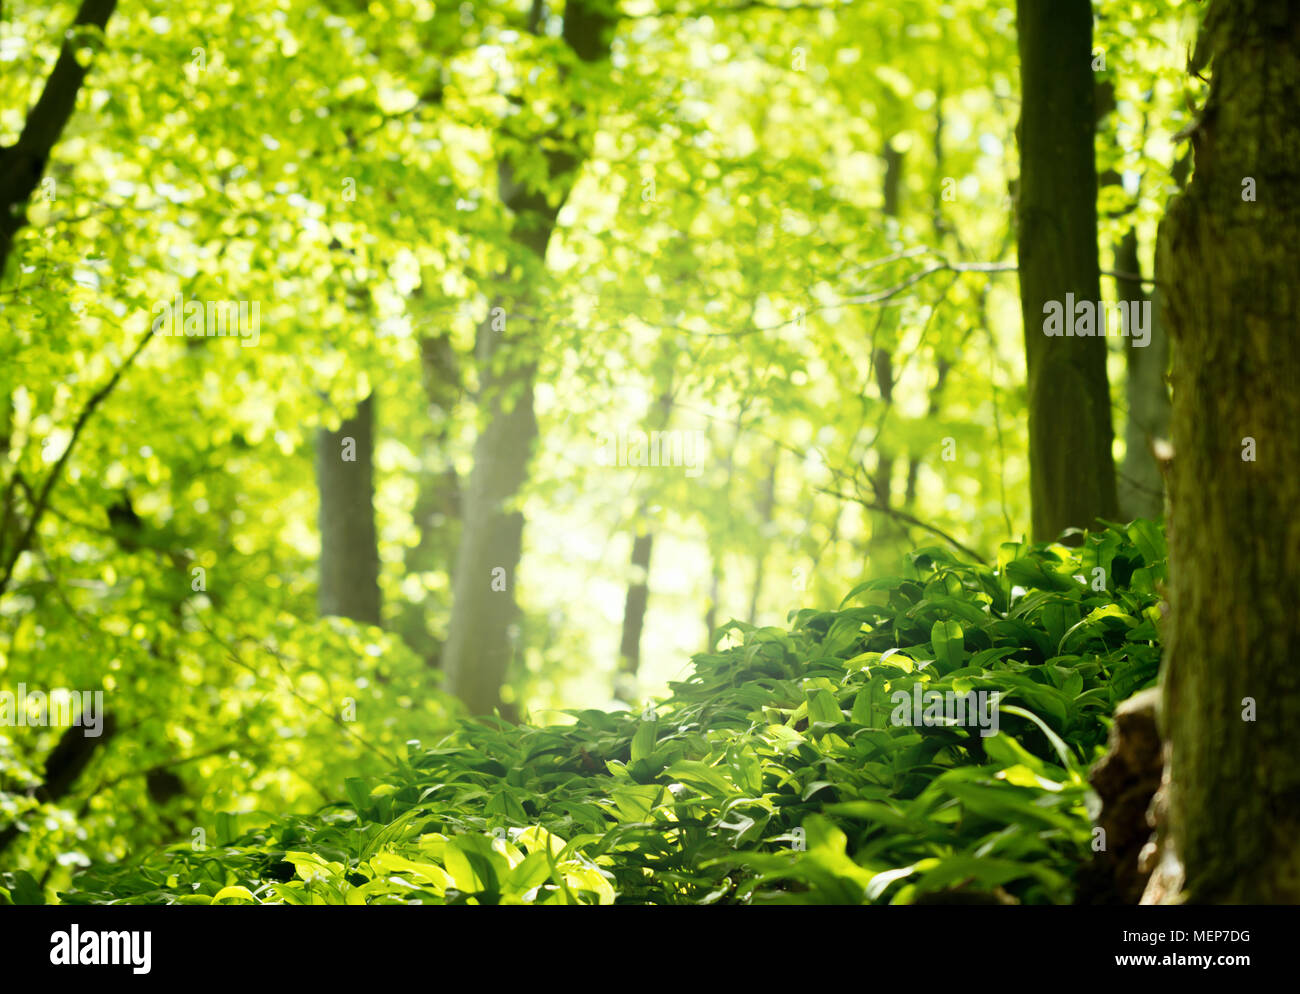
x=774, y=774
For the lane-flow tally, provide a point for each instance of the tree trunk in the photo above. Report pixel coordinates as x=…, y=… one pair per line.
x=638, y=589
x=941, y=231
x=1230, y=267
x=638, y=598
x=719, y=542
x=942, y=367
x=483, y=631
x=1072, y=471
x=717, y=546
x=882, y=359
x=1141, y=484
x=349, y=545
x=436, y=514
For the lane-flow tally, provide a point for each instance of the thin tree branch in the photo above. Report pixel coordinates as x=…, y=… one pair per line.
x=1129, y=277
x=908, y=519
x=43, y=501
x=915, y=278
x=239, y=660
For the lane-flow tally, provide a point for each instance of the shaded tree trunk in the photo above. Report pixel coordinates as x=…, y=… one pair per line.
x=717, y=549
x=1141, y=484
x=1231, y=268
x=719, y=544
x=941, y=230
x=942, y=367
x=1072, y=471
x=349, y=554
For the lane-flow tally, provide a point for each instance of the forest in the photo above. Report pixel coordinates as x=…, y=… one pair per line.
x=652, y=452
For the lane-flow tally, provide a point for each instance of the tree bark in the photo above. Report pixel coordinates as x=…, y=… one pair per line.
x=349, y=554
x=1072, y=471
x=942, y=367
x=1231, y=270
x=719, y=541
x=941, y=232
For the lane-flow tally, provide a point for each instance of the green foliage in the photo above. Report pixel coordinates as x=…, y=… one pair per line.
x=338, y=164
x=773, y=774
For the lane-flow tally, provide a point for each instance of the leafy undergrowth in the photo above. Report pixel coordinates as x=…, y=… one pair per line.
x=775, y=774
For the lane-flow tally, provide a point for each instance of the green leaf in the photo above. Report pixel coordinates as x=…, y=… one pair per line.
x=643, y=742
x=823, y=707
x=234, y=894
x=949, y=646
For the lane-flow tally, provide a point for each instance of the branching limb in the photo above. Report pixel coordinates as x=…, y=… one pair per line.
x=22, y=164
x=43, y=500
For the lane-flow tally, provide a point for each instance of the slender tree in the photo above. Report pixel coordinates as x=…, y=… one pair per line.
x=1072, y=471
x=766, y=513
x=638, y=588
x=1141, y=484
x=882, y=357
x=436, y=514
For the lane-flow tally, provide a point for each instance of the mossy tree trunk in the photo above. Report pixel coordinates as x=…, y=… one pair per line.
x=1229, y=265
